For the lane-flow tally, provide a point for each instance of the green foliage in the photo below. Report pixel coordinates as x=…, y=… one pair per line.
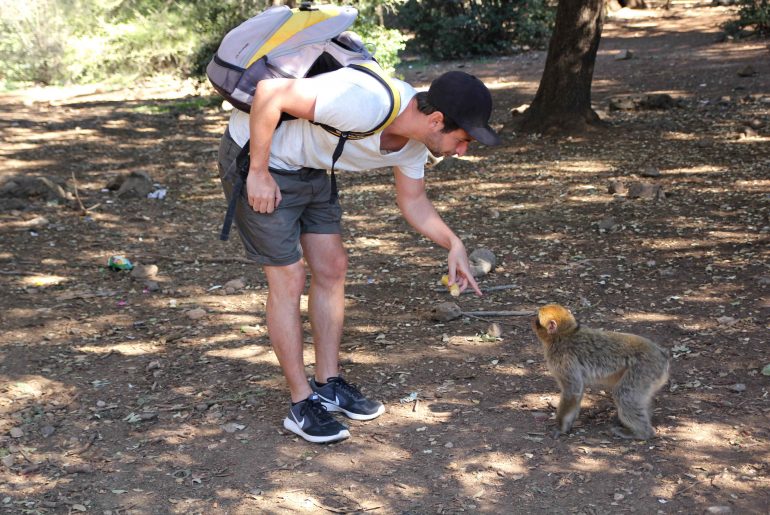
x=752, y=14
x=450, y=29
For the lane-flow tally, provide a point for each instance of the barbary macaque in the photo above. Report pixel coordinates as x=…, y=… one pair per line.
x=633, y=368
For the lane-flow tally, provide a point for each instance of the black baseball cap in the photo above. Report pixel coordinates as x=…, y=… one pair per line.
x=465, y=100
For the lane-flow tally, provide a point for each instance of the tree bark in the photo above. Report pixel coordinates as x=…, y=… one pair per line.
x=562, y=104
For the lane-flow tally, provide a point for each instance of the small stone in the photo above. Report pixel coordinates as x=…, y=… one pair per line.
x=16, y=432
x=445, y=312
x=142, y=272
x=196, y=314
x=617, y=188
x=494, y=330
x=624, y=55
x=482, y=261
x=234, y=285
x=8, y=460
x=649, y=171
x=47, y=431
x=738, y=387
x=152, y=286
x=607, y=224
x=517, y=111
x=449, y=445
x=747, y=71
x=618, y=497
x=719, y=510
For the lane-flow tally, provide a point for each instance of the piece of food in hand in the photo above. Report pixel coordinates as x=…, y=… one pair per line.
x=454, y=289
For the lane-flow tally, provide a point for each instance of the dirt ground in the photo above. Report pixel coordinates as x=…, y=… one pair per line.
x=117, y=398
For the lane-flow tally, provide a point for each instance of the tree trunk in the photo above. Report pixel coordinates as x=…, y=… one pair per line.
x=562, y=104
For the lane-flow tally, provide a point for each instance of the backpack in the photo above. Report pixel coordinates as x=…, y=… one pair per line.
x=292, y=43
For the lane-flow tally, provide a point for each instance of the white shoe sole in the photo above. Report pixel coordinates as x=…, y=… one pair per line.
x=294, y=428
x=355, y=416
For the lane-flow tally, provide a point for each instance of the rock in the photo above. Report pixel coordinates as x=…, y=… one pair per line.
x=748, y=132
x=138, y=184
x=623, y=103
x=747, y=71
x=494, y=330
x=8, y=460
x=756, y=123
x=624, y=55
x=196, y=314
x=234, y=285
x=607, y=224
x=47, y=431
x=27, y=187
x=646, y=191
x=517, y=111
x=617, y=188
x=719, y=510
x=482, y=261
x=657, y=101
x=649, y=171
x=445, y=312
x=141, y=272
x=16, y=432
x=151, y=286
x=738, y=387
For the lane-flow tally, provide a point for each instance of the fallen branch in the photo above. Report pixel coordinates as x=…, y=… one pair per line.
x=483, y=290
x=83, y=209
x=447, y=311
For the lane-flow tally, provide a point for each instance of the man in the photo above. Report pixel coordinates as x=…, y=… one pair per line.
x=290, y=212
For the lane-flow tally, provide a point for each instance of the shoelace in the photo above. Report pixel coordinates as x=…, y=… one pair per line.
x=317, y=409
x=347, y=387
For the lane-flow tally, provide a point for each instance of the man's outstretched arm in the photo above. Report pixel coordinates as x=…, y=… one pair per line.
x=420, y=213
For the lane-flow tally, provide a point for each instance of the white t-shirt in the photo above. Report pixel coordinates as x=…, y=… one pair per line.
x=349, y=100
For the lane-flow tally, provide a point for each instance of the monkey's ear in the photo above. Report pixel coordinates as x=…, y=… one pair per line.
x=551, y=326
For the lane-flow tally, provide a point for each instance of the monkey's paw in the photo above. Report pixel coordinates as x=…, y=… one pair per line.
x=556, y=433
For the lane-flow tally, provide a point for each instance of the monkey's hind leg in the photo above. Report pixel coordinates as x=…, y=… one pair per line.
x=632, y=399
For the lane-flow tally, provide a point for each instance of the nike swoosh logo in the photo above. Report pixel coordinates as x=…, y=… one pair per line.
x=336, y=400
x=299, y=422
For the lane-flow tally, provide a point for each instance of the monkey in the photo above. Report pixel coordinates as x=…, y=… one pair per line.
x=632, y=367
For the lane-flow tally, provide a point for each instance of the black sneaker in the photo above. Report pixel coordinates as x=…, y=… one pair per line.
x=339, y=395
x=310, y=420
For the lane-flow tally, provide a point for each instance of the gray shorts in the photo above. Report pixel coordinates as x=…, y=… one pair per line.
x=273, y=239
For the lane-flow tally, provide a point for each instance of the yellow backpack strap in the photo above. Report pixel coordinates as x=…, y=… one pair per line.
x=374, y=69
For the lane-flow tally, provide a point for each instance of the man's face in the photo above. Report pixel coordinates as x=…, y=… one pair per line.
x=448, y=143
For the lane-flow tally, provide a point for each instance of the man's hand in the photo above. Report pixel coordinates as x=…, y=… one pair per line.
x=262, y=191
x=460, y=269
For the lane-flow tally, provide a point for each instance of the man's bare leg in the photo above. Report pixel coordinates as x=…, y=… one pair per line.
x=328, y=262
x=285, y=284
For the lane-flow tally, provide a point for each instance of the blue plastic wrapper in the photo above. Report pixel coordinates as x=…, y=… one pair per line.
x=119, y=263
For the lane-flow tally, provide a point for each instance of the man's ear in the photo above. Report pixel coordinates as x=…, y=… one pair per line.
x=436, y=120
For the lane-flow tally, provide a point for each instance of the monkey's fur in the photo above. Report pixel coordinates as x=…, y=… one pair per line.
x=632, y=367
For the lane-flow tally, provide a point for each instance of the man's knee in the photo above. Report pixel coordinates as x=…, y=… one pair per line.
x=286, y=281
x=333, y=269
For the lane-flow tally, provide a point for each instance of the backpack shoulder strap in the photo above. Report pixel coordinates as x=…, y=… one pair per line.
x=372, y=69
